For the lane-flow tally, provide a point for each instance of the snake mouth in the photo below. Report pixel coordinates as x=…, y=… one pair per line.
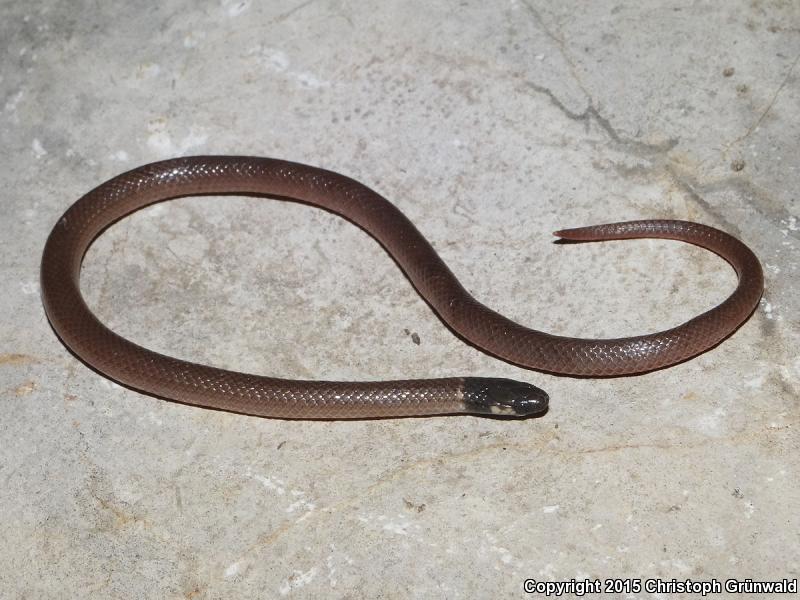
x=503, y=397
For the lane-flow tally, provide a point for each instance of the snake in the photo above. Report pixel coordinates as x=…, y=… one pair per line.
x=185, y=382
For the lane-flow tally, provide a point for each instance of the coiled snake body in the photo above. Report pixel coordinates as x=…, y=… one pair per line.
x=207, y=386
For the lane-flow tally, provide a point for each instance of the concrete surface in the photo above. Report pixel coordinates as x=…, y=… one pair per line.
x=490, y=125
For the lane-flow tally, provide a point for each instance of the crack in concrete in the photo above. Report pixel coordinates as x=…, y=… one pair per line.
x=661, y=166
x=590, y=113
x=560, y=42
x=689, y=187
x=292, y=11
x=282, y=17
x=754, y=196
x=766, y=111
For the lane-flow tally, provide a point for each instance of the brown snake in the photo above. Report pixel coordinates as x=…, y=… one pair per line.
x=206, y=386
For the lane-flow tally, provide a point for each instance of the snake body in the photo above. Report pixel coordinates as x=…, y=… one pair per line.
x=211, y=387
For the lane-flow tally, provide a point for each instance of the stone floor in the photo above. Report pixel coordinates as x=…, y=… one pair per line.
x=490, y=125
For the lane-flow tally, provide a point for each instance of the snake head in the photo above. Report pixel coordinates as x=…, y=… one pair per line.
x=503, y=397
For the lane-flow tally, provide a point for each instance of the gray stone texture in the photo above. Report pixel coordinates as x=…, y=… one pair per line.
x=490, y=124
